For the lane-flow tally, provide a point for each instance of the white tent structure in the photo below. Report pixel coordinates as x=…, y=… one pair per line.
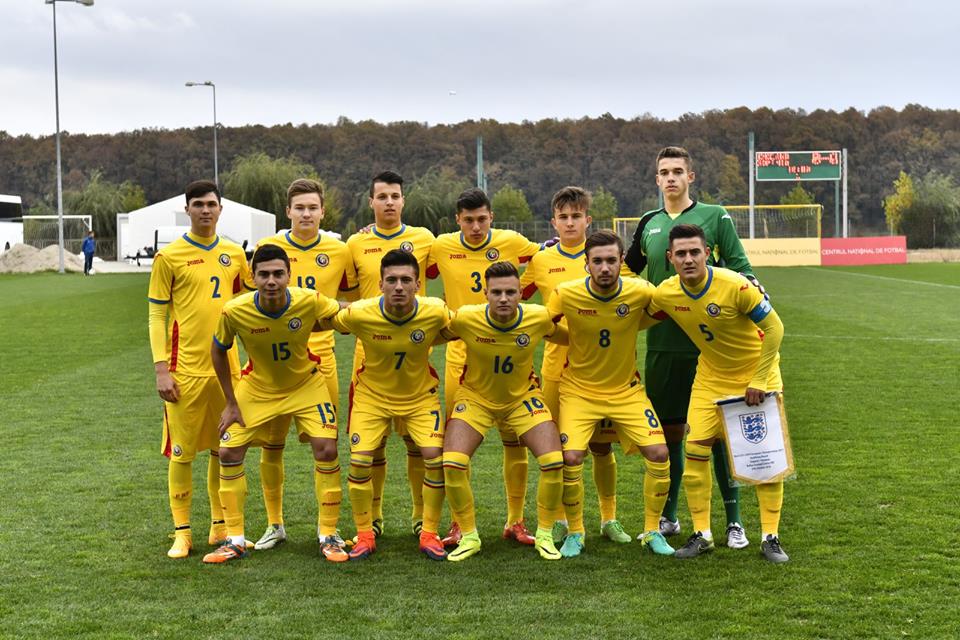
x=161, y=223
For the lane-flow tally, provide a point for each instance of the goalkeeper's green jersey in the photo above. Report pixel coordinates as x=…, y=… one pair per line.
x=649, y=249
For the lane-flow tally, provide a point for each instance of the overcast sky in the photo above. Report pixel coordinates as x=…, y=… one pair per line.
x=123, y=63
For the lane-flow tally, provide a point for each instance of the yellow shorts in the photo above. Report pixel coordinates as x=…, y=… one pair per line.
x=267, y=417
x=551, y=394
x=703, y=415
x=633, y=419
x=513, y=420
x=190, y=424
x=370, y=419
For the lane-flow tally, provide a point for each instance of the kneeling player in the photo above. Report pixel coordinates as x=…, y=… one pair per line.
x=281, y=381
x=499, y=389
x=739, y=335
x=394, y=381
x=604, y=312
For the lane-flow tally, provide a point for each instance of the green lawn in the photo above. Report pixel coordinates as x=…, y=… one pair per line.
x=870, y=363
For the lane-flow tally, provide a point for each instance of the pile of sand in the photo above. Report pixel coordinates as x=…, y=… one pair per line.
x=22, y=258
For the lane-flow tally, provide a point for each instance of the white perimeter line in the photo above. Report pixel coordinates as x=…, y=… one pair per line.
x=811, y=336
x=867, y=275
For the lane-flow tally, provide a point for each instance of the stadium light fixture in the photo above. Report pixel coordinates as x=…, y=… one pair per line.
x=207, y=83
x=56, y=102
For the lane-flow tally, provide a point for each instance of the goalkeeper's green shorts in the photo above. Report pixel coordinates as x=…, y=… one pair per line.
x=668, y=376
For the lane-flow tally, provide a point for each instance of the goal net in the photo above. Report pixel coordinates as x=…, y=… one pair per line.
x=770, y=221
x=42, y=231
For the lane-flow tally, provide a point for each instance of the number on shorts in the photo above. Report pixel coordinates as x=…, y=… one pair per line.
x=477, y=286
x=651, y=418
x=535, y=402
x=706, y=331
x=327, y=413
x=502, y=366
x=280, y=351
x=216, y=286
x=309, y=282
x=436, y=420
x=604, y=337
x=400, y=356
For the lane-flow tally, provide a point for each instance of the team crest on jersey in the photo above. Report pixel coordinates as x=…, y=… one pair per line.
x=753, y=426
x=406, y=246
x=322, y=259
x=355, y=438
x=493, y=254
x=177, y=450
x=224, y=259
x=523, y=340
x=294, y=324
x=417, y=336
x=713, y=309
x=460, y=408
x=623, y=310
x=225, y=437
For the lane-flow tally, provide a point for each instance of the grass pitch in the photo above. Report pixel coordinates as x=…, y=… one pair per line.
x=870, y=364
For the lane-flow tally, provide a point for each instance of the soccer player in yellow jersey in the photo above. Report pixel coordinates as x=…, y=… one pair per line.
x=461, y=258
x=395, y=382
x=604, y=312
x=500, y=389
x=367, y=249
x=192, y=278
x=561, y=263
x=320, y=262
x=738, y=334
x=281, y=381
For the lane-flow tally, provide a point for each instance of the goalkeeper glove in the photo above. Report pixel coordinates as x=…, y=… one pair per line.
x=753, y=280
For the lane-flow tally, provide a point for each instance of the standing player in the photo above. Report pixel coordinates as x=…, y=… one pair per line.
x=500, y=389
x=367, y=249
x=604, y=312
x=671, y=360
x=738, y=334
x=561, y=263
x=461, y=258
x=320, y=262
x=395, y=382
x=281, y=381
x=192, y=278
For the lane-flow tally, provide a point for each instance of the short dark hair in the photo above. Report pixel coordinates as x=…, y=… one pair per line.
x=471, y=199
x=602, y=238
x=399, y=258
x=687, y=231
x=576, y=196
x=675, y=152
x=501, y=270
x=199, y=188
x=302, y=186
x=387, y=177
x=267, y=252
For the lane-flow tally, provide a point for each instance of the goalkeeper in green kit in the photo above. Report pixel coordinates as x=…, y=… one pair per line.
x=671, y=361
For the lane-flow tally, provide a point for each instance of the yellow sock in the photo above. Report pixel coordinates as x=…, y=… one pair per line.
x=326, y=485
x=378, y=473
x=433, y=490
x=549, y=488
x=271, y=478
x=361, y=491
x=456, y=475
x=515, y=478
x=656, y=487
x=415, y=474
x=233, y=494
x=213, y=487
x=698, y=484
x=605, y=477
x=770, y=497
x=180, y=490
x=573, y=497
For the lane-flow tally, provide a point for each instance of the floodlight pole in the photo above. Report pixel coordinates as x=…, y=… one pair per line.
x=56, y=102
x=216, y=170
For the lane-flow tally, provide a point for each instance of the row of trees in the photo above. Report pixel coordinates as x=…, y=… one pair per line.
x=535, y=158
x=926, y=210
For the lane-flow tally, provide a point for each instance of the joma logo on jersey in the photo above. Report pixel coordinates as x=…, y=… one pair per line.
x=556, y=270
x=380, y=336
x=586, y=312
x=653, y=231
x=190, y=263
x=679, y=308
x=458, y=256
x=260, y=330
x=374, y=250
x=482, y=340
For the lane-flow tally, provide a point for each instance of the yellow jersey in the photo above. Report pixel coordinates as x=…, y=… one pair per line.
x=194, y=278
x=278, y=357
x=368, y=249
x=499, y=365
x=324, y=265
x=602, y=356
x=720, y=318
x=395, y=366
